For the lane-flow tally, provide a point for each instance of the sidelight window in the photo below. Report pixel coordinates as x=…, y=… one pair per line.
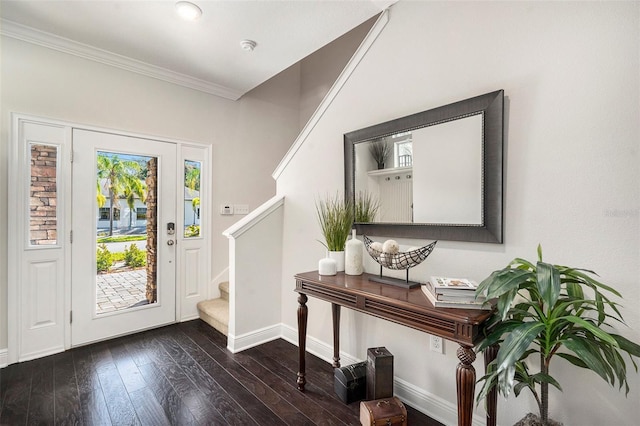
x=43, y=195
x=192, y=198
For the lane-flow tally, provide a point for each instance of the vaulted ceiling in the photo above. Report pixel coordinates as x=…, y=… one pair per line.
x=206, y=54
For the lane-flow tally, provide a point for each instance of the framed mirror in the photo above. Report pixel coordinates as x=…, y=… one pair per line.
x=436, y=174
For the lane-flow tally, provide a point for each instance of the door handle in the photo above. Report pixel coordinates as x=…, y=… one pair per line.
x=171, y=242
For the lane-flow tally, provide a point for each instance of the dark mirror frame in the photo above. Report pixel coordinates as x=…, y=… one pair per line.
x=491, y=105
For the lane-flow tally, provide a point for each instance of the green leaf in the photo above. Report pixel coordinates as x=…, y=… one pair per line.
x=564, y=308
x=524, y=380
x=574, y=290
x=598, y=332
x=495, y=336
x=504, y=303
x=490, y=380
x=572, y=359
x=505, y=380
x=522, y=264
x=615, y=360
x=516, y=343
x=522, y=385
x=579, y=273
x=600, y=308
x=632, y=349
x=548, y=283
x=627, y=345
x=503, y=281
x=591, y=357
x=545, y=378
x=522, y=310
x=481, y=290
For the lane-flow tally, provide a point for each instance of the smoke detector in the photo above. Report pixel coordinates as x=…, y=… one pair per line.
x=248, y=45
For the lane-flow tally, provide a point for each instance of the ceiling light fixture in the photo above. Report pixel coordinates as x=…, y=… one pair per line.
x=188, y=11
x=248, y=45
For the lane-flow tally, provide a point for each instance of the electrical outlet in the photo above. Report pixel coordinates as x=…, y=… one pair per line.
x=437, y=344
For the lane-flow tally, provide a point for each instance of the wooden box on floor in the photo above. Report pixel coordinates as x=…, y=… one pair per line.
x=350, y=382
x=379, y=373
x=386, y=411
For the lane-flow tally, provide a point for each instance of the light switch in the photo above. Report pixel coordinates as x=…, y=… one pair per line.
x=226, y=209
x=241, y=209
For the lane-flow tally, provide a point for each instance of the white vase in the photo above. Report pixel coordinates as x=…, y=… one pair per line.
x=338, y=256
x=353, y=256
x=327, y=266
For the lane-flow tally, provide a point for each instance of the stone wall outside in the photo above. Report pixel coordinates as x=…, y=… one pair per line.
x=152, y=230
x=43, y=195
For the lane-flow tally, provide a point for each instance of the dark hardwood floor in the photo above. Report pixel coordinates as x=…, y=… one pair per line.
x=176, y=375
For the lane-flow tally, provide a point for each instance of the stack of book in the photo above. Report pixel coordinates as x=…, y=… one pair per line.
x=453, y=293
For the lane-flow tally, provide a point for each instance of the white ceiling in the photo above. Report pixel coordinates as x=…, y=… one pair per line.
x=148, y=37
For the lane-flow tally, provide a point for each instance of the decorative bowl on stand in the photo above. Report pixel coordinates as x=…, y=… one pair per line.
x=398, y=261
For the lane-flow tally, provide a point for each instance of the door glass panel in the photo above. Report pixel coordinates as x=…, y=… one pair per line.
x=192, y=198
x=43, y=220
x=126, y=230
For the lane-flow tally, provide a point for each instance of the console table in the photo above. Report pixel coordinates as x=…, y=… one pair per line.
x=406, y=307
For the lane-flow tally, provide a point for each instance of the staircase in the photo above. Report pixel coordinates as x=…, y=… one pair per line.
x=215, y=312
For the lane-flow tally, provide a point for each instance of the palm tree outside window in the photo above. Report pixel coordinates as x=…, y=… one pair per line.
x=119, y=177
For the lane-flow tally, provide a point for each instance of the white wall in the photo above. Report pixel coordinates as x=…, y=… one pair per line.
x=570, y=71
x=255, y=259
x=249, y=136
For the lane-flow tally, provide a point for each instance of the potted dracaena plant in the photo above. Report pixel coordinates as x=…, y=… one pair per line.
x=550, y=311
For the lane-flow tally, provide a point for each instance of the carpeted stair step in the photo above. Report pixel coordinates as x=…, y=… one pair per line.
x=224, y=290
x=215, y=312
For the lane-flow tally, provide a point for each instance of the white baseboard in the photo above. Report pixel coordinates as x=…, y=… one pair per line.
x=4, y=358
x=248, y=340
x=317, y=347
x=431, y=405
x=189, y=317
x=41, y=354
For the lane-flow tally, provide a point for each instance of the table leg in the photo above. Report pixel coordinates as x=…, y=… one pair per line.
x=465, y=384
x=302, y=340
x=335, y=311
x=490, y=354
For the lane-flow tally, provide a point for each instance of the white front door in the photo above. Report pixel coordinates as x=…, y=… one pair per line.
x=114, y=186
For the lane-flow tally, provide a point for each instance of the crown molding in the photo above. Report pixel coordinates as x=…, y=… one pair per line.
x=65, y=45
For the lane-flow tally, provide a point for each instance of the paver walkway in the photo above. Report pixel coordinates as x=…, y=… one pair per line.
x=120, y=290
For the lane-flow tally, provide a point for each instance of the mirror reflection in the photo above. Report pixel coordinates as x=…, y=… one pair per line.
x=431, y=175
